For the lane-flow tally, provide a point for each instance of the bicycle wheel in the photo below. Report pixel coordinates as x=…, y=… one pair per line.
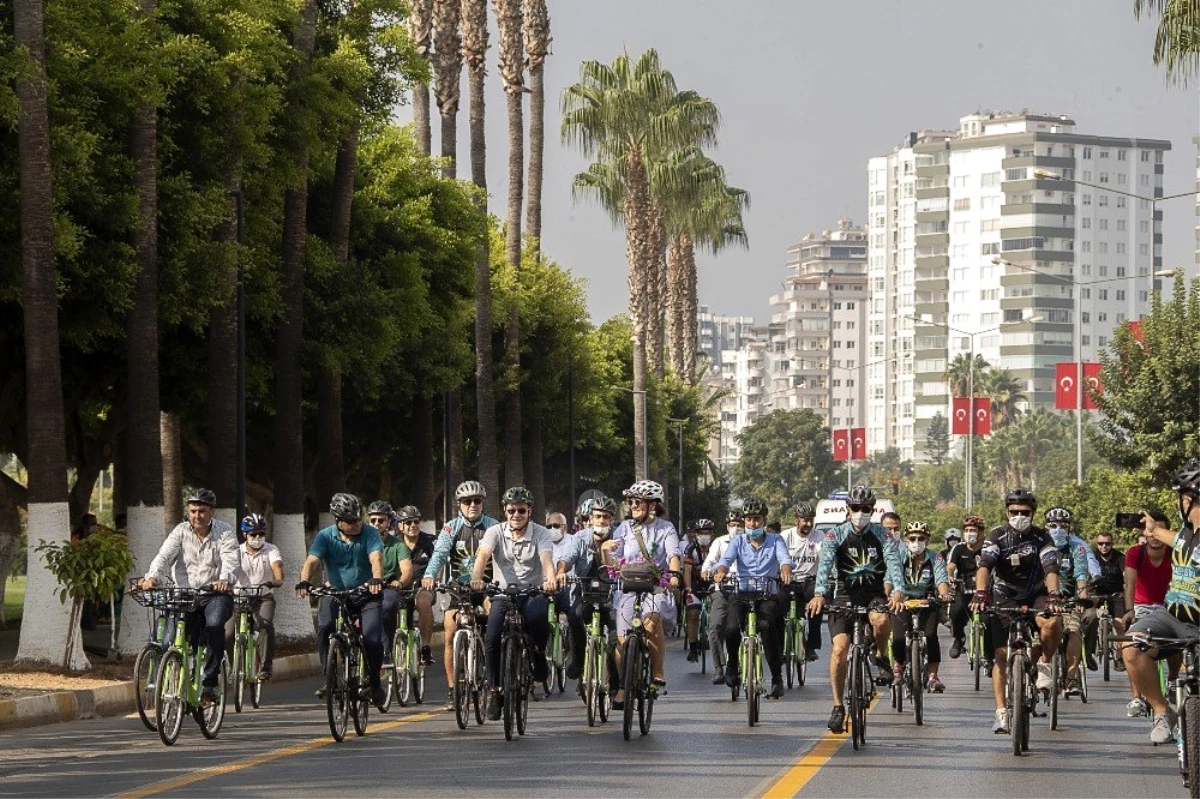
x=337, y=680
x=510, y=678
x=1018, y=676
x=916, y=667
x=1102, y=637
x=361, y=708
x=461, y=688
x=647, y=693
x=898, y=693
x=1056, y=671
x=526, y=689
x=590, y=681
x=170, y=696
x=789, y=650
x=750, y=669
x=864, y=690
x=630, y=662
x=145, y=674
x=239, y=673
x=401, y=671
x=478, y=682
x=1083, y=676
x=416, y=667
x=1189, y=724
x=851, y=695
x=975, y=658
x=211, y=717
x=603, y=688
x=256, y=664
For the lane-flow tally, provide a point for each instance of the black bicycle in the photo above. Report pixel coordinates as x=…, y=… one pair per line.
x=637, y=677
x=347, y=684
x=1021, y=693
x=859, y=689
x=516, y=658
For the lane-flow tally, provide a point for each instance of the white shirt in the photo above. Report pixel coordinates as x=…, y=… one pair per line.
x=715, y=553
x=805, y=551
x=256, y=565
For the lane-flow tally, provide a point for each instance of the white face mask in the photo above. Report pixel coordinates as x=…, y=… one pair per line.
x=916, y=547
x=601, y=530
x=970, y=536
x=735, y=530
x=557, y=534
x=860, y=519
x=255, y=543
x=704, y=539
x=1020, y=523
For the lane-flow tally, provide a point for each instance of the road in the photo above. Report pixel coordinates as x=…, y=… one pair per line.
x=700, y=745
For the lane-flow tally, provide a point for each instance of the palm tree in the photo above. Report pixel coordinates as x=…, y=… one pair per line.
x=1177, y=42
x=475, y=45
x=1006, y=394
x=46, y=621
x=537, y=46
x=626, y=115
x=512, y=69
x=958, y=374
x=420, y=33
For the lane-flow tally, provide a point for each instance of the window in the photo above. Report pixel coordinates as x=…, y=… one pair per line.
x=1120, y=248
x=1121, y=155
x=1145, y=154
x=1141, y=296
x=1143, y=180
x=1121, y=224
x=1087, y=199
x=850, y=344
x=990, y=179
x=1121, y=179
x=1103, y=270
x=1086, y=293
x=989, y=294
x=960, y=181
x=1086, y=340
x=1058, y=316
x=960, y=228
x=1102, y=247
x=1143, y=249
x=1102, y=201
x=1104, y=153
x=850, y=306
x=962, y=204
x=1104, y=177
x=1102, y=224
x=1103, y=341
x=990, y=201
x=1087, y=153
x=989, y=225
x=1120, y=318
x=1086, y=270
x=1085, y=317
x=990, y=248
x=1102, y=294
x=1087, y=223
x=1120, y=295
x=1019, y=173
x=1086, y=245
x=1120, y=202
x=1087, y=176
x=1012, y=315
x=1144, y=226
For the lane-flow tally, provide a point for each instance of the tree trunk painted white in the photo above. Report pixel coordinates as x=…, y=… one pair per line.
x=45, y=621
x=324, y=519
x=293, y=616
x=227, y=515
x=145, y=532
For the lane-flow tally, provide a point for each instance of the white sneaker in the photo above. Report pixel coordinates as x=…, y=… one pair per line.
x=1001, y=724
x=1045, y=678
x=1136, y=708
x=1160, y=730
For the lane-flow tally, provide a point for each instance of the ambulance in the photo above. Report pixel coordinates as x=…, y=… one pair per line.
x=832, y=511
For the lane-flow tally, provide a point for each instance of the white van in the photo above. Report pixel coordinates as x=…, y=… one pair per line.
x=832, y=511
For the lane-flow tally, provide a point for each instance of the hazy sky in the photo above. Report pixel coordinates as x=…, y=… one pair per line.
x=810, y=90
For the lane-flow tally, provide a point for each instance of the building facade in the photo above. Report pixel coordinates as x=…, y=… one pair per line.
x=719, y=334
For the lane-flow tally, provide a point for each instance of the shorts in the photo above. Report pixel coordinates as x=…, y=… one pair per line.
x=1161, y=624
x=997, y=625
x=663, y=604
x=1072, y=621
x=1142, y=611
x=841, y=620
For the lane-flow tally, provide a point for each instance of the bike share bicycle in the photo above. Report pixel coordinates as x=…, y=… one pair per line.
x=181, y=670
x=406, y=673
x=637, y=681
x=914, y=683
x=469, y=688
x=750, y=591
x=347, y=685
x=247, y=659
x=594, y=680
x=516, y=658
x=795, y=639
x=147, y=666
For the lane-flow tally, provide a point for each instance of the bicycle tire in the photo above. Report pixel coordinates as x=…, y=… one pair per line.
x=337, y=699
x=461, y=688
x=509, y=678
x=602, y=682
x=256, y=686
x=866, y=687
x=211, y=718
x=1105, y=647
x=170, y=697
x=916, y=665
x=1083, y=679
x=1057, y=677
x=976, y=657
x=525, y=676
x=478, y=682
x=239, y=673
x=898, y=694
x=416, y=665
x=360, y=706
x=1018, y=677
x=401, y=669
x=1189, y=725
x=789, y=653
x=1031, y=697
x=852, y=696
x=646, y=695
x=629, y=683
x=751, y=680
x=145, y=674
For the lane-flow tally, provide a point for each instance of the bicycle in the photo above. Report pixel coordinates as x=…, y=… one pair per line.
x=1021, y=693
x=247, y=660
x=859, y=689
x=702, y=642
x=978, y=658
x=470, y=681
x=181, y=671
x=407, y=672
x=347, y=686
x=594, y=680
x=795, y=641
x=146, y=667
x=750, y=591
x=556, y=653
x=1060, y=671
x=637, y=680
x=516, y=659
x=1105, y=632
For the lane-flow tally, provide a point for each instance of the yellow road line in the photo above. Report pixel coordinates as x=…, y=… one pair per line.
x=250, y=762
x=796, y=777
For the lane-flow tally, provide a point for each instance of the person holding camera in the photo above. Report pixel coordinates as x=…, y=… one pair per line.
x=1147, y=575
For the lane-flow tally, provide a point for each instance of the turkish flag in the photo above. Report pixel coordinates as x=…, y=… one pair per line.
x=1066, y=392
x=983, y=416
x=858, y=443
x=1091, y=379
x=1135, y=328
x=961, y=411
x=841, y=445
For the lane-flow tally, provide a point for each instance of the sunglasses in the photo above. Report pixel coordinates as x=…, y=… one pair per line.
x=555, y=526
x=256, y=535
x=917, y=538
x=411, y=521
x=1104, y=543
x=1021, y=513
x=860, y=508
x=471, y=501
x=516, y=511
x=639, y=502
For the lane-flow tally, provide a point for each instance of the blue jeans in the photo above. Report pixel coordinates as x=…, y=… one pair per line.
x=207, y=627
x=369, y=611
x=536, y=622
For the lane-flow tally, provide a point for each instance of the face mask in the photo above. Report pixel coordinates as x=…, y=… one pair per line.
x=557, y=534
x=735, y=530
x=704, y=540
x=255, y=542
x=1060, y=536
x=1020, y=523
x=916, y=547
x=971, y=537
x=860, y=519
x=757, y=533
x=601, y=531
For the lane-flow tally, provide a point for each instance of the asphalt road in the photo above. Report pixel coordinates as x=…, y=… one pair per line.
x=699, y=745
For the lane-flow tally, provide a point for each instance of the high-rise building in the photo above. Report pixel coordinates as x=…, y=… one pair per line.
x=944, y=204
x=825, y=291
x=718, y=334
x=1196, y=141
x=743, y=376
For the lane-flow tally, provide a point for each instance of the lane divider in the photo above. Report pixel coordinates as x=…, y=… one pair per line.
x=250, y=762
x=796, y=777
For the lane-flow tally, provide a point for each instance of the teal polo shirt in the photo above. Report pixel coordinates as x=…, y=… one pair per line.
x=347, y=563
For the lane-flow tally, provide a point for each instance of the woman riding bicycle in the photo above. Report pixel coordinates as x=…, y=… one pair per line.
x=924, y=573
x=700, y=536
x=261, y=564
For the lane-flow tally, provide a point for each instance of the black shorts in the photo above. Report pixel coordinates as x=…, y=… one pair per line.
x=841, y=617
x=997, y=625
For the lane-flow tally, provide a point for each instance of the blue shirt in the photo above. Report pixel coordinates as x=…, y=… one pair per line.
x=347, y=563
x=574, y=551
x=456, y=545
x=922, y=579
x=763, y=561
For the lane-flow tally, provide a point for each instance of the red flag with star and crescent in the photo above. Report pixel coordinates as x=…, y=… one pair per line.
x=1066, y=390
x=1091, y=379
x=983, y=416
x=858, y=443
x=961, y=416
x=841, y=444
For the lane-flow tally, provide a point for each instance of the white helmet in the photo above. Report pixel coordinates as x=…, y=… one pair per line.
x=471, y=488
x=645, y=489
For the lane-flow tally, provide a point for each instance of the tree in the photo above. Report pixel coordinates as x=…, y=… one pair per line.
x=937, y=439
x=537, y=46
x=1005, y=393
x=1106, y=491
x=91, y=568
x=1177, y=40
x=958, y=374
x=785, y=459
x=420, y=32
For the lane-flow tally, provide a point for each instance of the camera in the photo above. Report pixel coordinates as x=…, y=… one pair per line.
x=1128, y=521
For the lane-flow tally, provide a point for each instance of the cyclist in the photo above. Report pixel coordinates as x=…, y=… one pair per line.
x=1111, y=582
x=521, y=550
x=733, y=521
x=397, y=574
x=757, y=554
x=382, y=517
x=863, y=560
x=201, y=552
x=700, y=537
x=954, y=537
x=645, y=537
x=924, y=576
x=352, y=554
x=891, y=523
x=1147, y=576
x=960, y=568
x=1180, y=616
x=585, y=563
x=261, y=564
x=458, y=546
x=804, y=546
x=421, y=554
x=1073, y=576
x=718, y=603
x=1019, y=565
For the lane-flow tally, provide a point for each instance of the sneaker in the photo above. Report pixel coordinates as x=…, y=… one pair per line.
x=882, y=663
x=936, y=686
x=450, y=699
x=1137, y=708
x=812, y=656
x=1091, y=662
x=733, y=680
x=693, y=654
x=837, y=719
x=776, y=690
x=1001, y=725
x=264, y=675
x=378, y=696
x=493, y=710
x=574, y=670
x=1072, y=688
x=426, y=656
x=956, y=648
x=718, y=677
x=898, y=674
x=319, y=693
x=1160, y=730
x=1045, y=678
x=541, y=669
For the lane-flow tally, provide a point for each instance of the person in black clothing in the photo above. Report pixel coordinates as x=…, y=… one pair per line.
x=961, y=563
x=1111, y=582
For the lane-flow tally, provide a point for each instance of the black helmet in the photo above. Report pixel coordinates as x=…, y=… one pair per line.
x=1020, y=496
x=1188, y=477
x=734, y=514
x=606, y=504
x=753, y=507
x=804, y=511
x=861, y=495
x=201, y=496
x=380, y=507
x=704, y=524
x=345, y=508
x=1058, y=515
x=517, y=495
x=254, y=523
x=407, y=512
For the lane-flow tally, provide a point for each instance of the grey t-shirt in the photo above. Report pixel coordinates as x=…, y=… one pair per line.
x=518, y=561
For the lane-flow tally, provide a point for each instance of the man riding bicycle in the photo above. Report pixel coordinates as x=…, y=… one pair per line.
x=584, y=562
x=864, y=559
x=961, y=565
x=1019, y=566
x=352, y=553
x=696, y=588
x=804, y=546
x=260, y=564
x=397, y=569
x=718, y=604
x=201, y=553
x=923, y=576
x=1073, y=576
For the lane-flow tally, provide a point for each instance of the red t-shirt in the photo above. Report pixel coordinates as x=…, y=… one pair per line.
x=1152, y=581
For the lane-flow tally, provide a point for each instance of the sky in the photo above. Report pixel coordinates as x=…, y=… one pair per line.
x=809, y=91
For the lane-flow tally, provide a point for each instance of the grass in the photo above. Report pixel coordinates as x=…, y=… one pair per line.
x=14, y=598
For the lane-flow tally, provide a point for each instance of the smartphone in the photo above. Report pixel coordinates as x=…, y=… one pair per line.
x=1128, y=521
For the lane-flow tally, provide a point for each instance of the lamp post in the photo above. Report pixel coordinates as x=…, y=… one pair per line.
x=679, y=508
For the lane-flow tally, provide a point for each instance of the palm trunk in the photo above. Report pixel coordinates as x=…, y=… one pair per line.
x=676, y=290
x=46, y=623
x=221, y=408
x=172, y=476
x=537, y=148
x=691, y=310
x=331, y=466
x=535, y=479
x=422, y=486
x=343, y=194
x=420, y=34
x=639, y=246
x=656, y=298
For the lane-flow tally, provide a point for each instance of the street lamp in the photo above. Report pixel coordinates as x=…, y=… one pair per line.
x=679, y=507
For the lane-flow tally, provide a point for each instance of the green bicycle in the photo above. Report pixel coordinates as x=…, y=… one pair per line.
x=594, y=682
x=146, y=667
x=795, y=642
x=347, y=686
x=750, y=591
x=180, y=674
x=247, y=659
x=407, y=671
x=977, y=656
x=556, y=652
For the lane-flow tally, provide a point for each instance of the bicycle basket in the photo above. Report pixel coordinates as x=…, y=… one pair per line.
x=639, y=578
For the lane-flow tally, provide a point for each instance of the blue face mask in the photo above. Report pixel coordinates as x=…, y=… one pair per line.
x=756, y=533
x=1059, y=535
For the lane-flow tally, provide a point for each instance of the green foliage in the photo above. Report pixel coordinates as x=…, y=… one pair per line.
x=937, y=439
x=90, y=568
x=1104, y=492
x=1177, y=38
x=785, y=459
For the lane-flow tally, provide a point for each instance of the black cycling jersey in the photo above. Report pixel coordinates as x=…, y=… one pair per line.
x=1019, y=562
x=861, y=569
x=421, y=552
x=966, y=563
x=1112, y=572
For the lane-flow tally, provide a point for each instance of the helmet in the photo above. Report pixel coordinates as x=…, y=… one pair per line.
x=861, y=495
x=733, y=515
x=916, y=527
x=804, y=511
x=954, y=534
x=754, y=507
x=1188, y=477
x=201, y=496
x=704, y=524
x=470, y=488
x=1020, y=496
x=645, y=489
x=345, y=508
x=974, y=521
x=1058, y=515
x=515, y=495
x=606, y=504
x=380, y=507
x=585, y=508
x=254, y=523
x=407, y=512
